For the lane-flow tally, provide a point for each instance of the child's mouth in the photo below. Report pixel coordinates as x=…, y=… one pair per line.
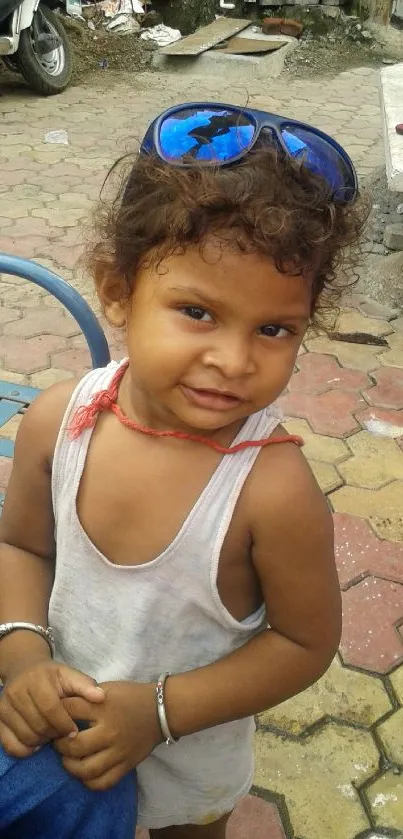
x=212, y=400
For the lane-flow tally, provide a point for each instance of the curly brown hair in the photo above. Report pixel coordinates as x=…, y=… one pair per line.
x=268, y=204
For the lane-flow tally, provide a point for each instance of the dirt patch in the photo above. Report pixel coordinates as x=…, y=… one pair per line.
x=99, y=51
x=326, y=56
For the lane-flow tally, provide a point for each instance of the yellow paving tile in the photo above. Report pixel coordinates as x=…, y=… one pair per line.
x=46, y=378
x=326, y=475
x=356, y=356
x=385, y=798
x=383, y=507
x=318, y=446
x=346, y=694
x=353, y=321
x=394, y=356
x=9, y=430
x=397, y=683
x=375, y=461
x=317, y=776
x=15, y=378
x=391, y=734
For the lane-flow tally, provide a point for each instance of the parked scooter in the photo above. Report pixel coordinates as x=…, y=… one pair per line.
x=34, y=42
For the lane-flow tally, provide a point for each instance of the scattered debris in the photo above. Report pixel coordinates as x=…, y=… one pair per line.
x=282, y=26
x=123, y=23
x=111, y=8
x=381, y=428
x=74, y=8
x=161, y=35
x=59, y=137
x=359, y=338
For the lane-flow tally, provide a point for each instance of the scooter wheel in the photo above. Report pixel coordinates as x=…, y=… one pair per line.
x=47, y=73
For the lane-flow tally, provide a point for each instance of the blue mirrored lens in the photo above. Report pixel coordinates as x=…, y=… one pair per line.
x=322, y=158
x=205, y=134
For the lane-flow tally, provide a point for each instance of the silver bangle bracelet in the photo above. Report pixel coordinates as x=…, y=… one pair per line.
x=162, y=715
x=47, y=634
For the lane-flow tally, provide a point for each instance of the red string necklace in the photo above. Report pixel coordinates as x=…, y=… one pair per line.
x=106, y=400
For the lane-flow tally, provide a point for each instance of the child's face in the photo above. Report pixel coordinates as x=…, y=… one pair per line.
x=211, y=339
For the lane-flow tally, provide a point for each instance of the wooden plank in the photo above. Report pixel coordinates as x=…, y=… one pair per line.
x=250, y=46
x=206, y=37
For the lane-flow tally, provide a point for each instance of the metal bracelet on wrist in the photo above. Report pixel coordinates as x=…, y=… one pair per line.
x=170, y=740
x=47, y=634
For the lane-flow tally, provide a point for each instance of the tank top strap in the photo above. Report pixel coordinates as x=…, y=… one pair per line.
x=69, y=455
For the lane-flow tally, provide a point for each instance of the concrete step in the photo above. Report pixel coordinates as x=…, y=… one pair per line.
x=392, y=115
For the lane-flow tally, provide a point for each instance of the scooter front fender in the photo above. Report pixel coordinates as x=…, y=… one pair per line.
x=28, y=10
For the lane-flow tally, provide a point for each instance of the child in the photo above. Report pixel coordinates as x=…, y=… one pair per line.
x=157, y=514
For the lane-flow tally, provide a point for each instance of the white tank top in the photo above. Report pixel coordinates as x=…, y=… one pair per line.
x=134, y=622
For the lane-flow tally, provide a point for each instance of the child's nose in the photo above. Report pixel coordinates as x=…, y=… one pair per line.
x=232, y=356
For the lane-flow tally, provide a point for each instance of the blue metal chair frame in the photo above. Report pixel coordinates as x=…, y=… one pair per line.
x=14, y=398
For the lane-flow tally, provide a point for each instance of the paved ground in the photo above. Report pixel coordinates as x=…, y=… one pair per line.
x=330, y=762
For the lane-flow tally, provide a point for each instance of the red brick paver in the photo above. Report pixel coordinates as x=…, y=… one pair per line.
x=360, y=553
x=372, y=612
x=330, y=413
x=319, y=373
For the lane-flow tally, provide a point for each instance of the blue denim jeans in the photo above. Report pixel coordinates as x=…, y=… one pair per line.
x=40, y=800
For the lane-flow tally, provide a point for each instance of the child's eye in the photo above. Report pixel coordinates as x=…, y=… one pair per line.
x=196, y=313
x=272, y=330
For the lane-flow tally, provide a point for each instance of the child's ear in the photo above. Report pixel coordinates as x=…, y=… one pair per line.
x=112, y=296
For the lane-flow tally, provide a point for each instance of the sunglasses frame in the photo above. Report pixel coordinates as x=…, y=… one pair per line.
x=260, y=119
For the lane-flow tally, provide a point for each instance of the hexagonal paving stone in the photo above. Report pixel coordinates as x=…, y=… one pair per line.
x=394, y=356
x=318, y=776
x=356, y=356
x=254, y=818
x=328, y=413
x=352, y=321
x=388, y=423
x=360, y=553
x=391, y=734
x=383, y=507
x=388, y=391
x=30, y=355
x=5, y=472
x=326, y=475
x=372, y=609
x=319, y=373
x=76, y=361
x=385, y=797
x=10, y=428
x=396, y=679
x=375, y=461
x=317, y=446
x=8, y=315
x=43, y=322
x=342, y=693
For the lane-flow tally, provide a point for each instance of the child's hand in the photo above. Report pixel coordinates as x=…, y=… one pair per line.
x=31, y=711
x=124, y=730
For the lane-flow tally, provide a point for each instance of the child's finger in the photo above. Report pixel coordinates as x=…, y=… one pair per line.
x=12, y=745
x=85, y=744
x=80, y=709
x=108, y=780
x=75, y=683
x=26, y=729
x=50, y=708
x=89, y=768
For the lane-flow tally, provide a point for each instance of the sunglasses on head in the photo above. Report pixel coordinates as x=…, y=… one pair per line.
x=221, y=135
